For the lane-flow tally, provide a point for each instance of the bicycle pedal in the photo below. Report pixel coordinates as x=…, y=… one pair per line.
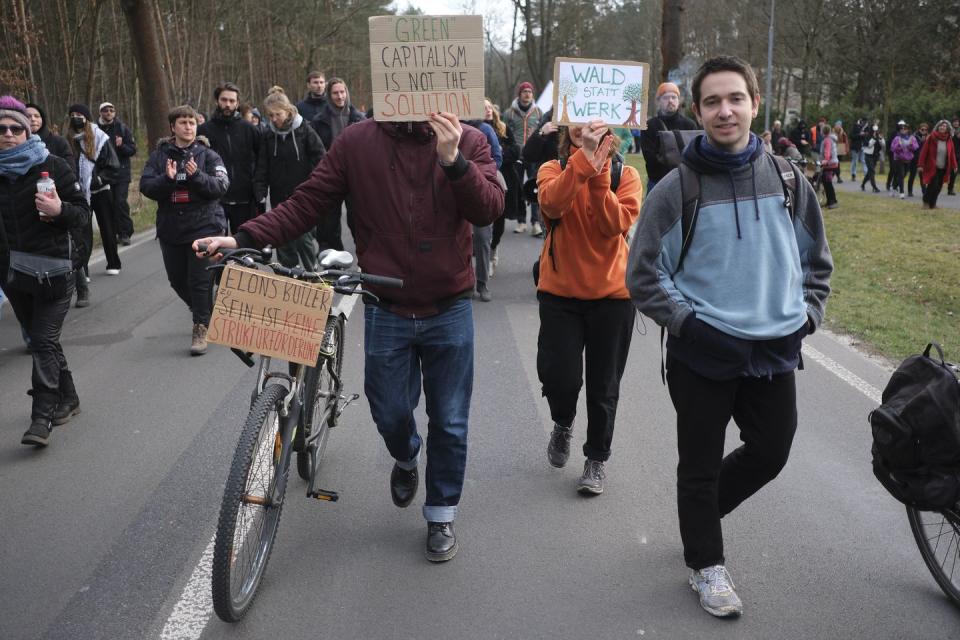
x=346, y=402
x=327, y=496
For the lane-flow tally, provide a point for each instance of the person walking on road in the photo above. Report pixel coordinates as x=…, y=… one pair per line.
x=413, y=202
x=523, y=117
x=585, y=308
x=904, y=148
x=937, y=159
x=57, y=145
x=237, y=143
x=872, y=150
x=830, y=163
x=316, y=98
x=188, y=180
x=736, y=308
x=126, y=147
x=34, y=233
x=668, y=118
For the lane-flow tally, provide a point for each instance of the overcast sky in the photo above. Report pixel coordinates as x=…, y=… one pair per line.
x=497, y=14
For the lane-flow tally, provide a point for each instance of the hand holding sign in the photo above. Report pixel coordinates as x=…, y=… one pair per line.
x=448, y=130
x=596, y=144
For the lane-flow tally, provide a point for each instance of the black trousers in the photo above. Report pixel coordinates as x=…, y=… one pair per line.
x=41, y=312
x=913, y=175
x=122, y=223
x=190, y=279
x=102, y=205
x=709, y=484
x=498, y=226
x=828, y=188
x=870, y=176
x=899, y=171
x=239, y=213
x=329, y=230
x=595, y=331
x=934, y=188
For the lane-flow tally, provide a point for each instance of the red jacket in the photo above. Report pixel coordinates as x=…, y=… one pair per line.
x=410, y=217
x=927, y=160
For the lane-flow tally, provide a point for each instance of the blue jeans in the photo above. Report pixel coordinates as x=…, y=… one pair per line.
x=400, y=352
x=856, y=155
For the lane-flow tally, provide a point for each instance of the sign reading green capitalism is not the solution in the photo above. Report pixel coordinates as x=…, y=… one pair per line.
x=614, y=91
x=426, y=64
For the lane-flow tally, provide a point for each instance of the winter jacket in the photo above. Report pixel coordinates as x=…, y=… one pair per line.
x=311, y=106
x=856, y=137
x=522, y=123
x=237, y=143
x=754, y=281
x=188, y=207
x=828, y=152
x=57, y=145
x=321, y=122
x=125, y=151
x=904, y=148
x=98, y=174
x=286, y=159
x=585, y=253
x=650, y=141
x=540, y=148
x=411, y=216
x=492, y=139
x=20, y=225
x=927, y=160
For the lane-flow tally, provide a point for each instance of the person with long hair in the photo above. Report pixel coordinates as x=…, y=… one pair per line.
x=511, y=159
x=36, y=226
x=97, y=167
x=937, y=160
x=585, y=308
x=830, y=163
x=289, y=151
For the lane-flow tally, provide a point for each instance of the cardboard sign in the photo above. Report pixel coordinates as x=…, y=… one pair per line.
x=614, y=91
x=426, y=64
x=264, y=313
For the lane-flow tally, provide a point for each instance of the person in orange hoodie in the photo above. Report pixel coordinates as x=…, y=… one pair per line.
x=584, y=302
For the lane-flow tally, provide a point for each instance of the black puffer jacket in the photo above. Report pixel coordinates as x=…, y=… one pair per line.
x=237, y=142
x=286, y=160
x=188, y=207
x=57, y=145
x=126, y=150
x=23, y=230
x=310, y=107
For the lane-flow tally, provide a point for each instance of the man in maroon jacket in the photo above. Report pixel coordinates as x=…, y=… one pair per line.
x=416, y=188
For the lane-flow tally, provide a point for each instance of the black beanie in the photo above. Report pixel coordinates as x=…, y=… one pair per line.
x=82, y=109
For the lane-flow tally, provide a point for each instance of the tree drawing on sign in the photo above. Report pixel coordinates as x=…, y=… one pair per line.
x=568, y=89
x=632, y=93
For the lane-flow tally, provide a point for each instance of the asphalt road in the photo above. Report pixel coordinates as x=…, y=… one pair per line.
x=102, y=532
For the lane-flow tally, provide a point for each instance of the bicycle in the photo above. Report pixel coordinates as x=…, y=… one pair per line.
x=937, y=534
x=289, y=412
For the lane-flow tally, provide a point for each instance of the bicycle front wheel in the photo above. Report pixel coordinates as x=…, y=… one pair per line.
x=938, y=535
x=250, y=511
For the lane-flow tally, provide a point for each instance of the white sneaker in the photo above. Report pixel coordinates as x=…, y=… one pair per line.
x=113, y=272
x=902, y=196
x=536, y=230
x=715, y=588
x=521, y=228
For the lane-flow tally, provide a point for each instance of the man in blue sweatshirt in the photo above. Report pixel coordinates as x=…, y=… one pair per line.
x=752, y=283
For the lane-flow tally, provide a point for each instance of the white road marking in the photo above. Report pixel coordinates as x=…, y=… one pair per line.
x=843, y=373
x=193, y=610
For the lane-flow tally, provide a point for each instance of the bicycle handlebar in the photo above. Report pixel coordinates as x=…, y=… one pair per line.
x=340, y=278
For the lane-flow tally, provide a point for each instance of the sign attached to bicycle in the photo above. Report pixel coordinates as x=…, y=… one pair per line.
x=271, y=315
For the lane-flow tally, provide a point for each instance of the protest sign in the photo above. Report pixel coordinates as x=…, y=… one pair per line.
x=614, y=91
x=263, y=313
x=426, y=64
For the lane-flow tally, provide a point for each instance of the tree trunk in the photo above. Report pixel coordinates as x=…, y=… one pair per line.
x=671, y=38
x=153, y=82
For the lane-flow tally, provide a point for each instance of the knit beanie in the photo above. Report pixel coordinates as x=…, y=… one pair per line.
x=12, y=108
x=667, y=87
x=525, y=85
x=82, y=109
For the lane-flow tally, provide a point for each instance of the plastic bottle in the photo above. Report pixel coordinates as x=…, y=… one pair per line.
x=45, y=185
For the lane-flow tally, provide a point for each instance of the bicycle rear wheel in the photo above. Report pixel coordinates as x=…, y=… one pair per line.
x=323, y=392
x=250, y=511
x=938, y=535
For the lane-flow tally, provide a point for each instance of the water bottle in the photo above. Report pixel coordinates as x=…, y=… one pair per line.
x=45, y=185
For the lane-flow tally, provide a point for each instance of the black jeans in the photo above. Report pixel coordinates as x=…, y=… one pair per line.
x=870, y=177
x=709, y=484
x=41, y=312
x=329, y=230
x=102, y=205
x=899, y=171
x=828, y=188
x=599, y=332
x=123, y=223
x=190, y=279
x=913, y=176
x=239, y=213
x=934, y=188
x=498, y=226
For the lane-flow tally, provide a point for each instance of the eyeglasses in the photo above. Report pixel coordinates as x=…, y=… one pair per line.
x=14, y=129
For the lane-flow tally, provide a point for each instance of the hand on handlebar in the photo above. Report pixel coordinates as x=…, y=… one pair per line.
x=210, y=247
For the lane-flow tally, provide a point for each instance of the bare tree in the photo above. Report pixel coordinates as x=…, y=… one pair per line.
x=154, y=92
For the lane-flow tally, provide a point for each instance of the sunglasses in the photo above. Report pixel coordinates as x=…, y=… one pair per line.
x=14, y=129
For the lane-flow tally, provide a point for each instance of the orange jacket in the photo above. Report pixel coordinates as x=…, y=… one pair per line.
x=588, y=226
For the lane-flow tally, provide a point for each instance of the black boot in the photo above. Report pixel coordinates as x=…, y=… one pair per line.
x=41, y=418
x=83, y=290
x=69, y=405
x=441, y=541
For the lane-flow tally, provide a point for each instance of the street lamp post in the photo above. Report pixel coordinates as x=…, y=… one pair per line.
x=769, y=91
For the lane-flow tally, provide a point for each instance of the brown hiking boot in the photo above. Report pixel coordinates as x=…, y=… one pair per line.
x=199, y=345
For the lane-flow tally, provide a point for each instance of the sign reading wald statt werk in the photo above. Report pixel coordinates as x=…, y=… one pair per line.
x=263, y=313
x=426, y=64
x=614, y=91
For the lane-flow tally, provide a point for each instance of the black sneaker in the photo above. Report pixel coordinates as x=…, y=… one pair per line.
x=403, y=485
x=125, y=241
x=83, y=299
x=38, y=434
x=441, y=541
x=558, y=449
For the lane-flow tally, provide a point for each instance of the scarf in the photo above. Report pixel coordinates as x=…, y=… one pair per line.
x=16, y=162
x=725, y=160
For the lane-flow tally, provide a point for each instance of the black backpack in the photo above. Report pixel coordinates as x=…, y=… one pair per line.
x=616, y=172
x=916, y=433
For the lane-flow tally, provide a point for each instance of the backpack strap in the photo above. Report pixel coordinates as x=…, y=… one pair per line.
x=616, y=171
x=690, y=197
x=788, y=180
